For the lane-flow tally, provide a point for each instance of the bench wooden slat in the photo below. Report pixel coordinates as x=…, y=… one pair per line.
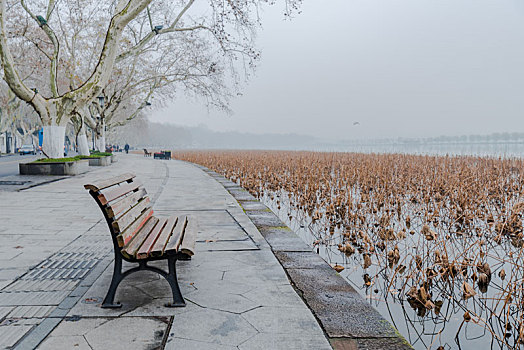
x=174, y=240
x=136, y=242
x=131, y=215
x=118, y=192
x=125, y=203
x=128, y=233
x=188, y=240
x=146, y=247
x=101, y=184
x=158, y=248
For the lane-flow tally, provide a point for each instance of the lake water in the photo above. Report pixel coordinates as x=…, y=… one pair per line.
x=429, y=330
x=476, y=149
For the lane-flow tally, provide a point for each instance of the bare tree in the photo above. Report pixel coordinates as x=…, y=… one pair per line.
x=78, y=78
x=186, y=65
x=17, y=118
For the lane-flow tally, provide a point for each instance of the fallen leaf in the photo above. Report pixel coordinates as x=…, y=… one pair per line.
x=338, y=268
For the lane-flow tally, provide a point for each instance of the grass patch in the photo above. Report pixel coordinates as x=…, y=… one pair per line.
x=92, y=156
x=101, y=154
x=57, y=160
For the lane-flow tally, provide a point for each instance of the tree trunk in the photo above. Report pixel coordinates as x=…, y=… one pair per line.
x=54, y=138
x=101, y=138
x=34, y=141
x=81, y=141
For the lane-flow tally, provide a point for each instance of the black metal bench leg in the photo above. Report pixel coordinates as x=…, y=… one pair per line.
x=178, y=300
x=115, y=281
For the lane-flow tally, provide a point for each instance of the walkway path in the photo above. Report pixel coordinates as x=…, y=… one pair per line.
x=238, y=295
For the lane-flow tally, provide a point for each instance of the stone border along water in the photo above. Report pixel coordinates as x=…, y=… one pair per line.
x=80, y=269
x=347, y=319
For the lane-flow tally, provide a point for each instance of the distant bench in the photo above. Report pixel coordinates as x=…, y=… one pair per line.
x=146, y=153
x=162, y=155
x=140, y=237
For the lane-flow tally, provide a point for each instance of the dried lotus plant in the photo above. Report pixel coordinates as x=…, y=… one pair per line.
x=443, y=234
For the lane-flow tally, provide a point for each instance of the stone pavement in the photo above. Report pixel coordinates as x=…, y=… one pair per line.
x=238, y=295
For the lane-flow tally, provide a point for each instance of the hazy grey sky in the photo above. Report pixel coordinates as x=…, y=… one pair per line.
x=399, y=67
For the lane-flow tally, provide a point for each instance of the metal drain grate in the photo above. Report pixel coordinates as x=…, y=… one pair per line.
x=67, y=265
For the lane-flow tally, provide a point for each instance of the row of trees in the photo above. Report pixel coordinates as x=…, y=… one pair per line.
x=98, y=63
x=497, y=137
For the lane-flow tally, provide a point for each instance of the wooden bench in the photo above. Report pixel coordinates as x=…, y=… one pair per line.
x=140, y=237
x=162, y=155
x=146, y=153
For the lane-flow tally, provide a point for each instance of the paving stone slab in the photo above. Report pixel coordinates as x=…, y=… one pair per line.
x=78, y=326
x=284, y=240
x=15, y=321
x=231, y=186
x=127, y=333
x=210, y=287
x=7, y=255
x=264, y=219
x=300, y=260
x=159, y=288
x=11, y=273
x=41, y=285
x=204, y=269
x=285, y=321
x=4, y=310
x=10, y=335
x=263, y=341
x=76, y=342
x=212, y=326
x=224, y=233
x=233, y=303
x=130, y=296
x=157, y=307
x=242, y=195
x=257, y=276
x=5, y=283
x=340, y=309
x=174, y=343
x=32, y=298
x=252, y=205
x=260, y=259
x=31, y=311
x=204, y=217
x=229, y=245
x=274, y=295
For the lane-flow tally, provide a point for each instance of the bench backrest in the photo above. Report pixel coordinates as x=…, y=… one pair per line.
x=125, y=205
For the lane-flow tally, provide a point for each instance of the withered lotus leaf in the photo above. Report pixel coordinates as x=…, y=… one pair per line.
x=442, y=223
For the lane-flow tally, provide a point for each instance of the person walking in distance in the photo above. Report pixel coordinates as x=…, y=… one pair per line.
x=126, y=148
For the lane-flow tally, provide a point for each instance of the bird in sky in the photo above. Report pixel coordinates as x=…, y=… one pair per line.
x=356, y=123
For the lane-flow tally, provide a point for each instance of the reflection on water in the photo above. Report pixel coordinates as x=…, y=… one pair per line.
x=442, y=325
